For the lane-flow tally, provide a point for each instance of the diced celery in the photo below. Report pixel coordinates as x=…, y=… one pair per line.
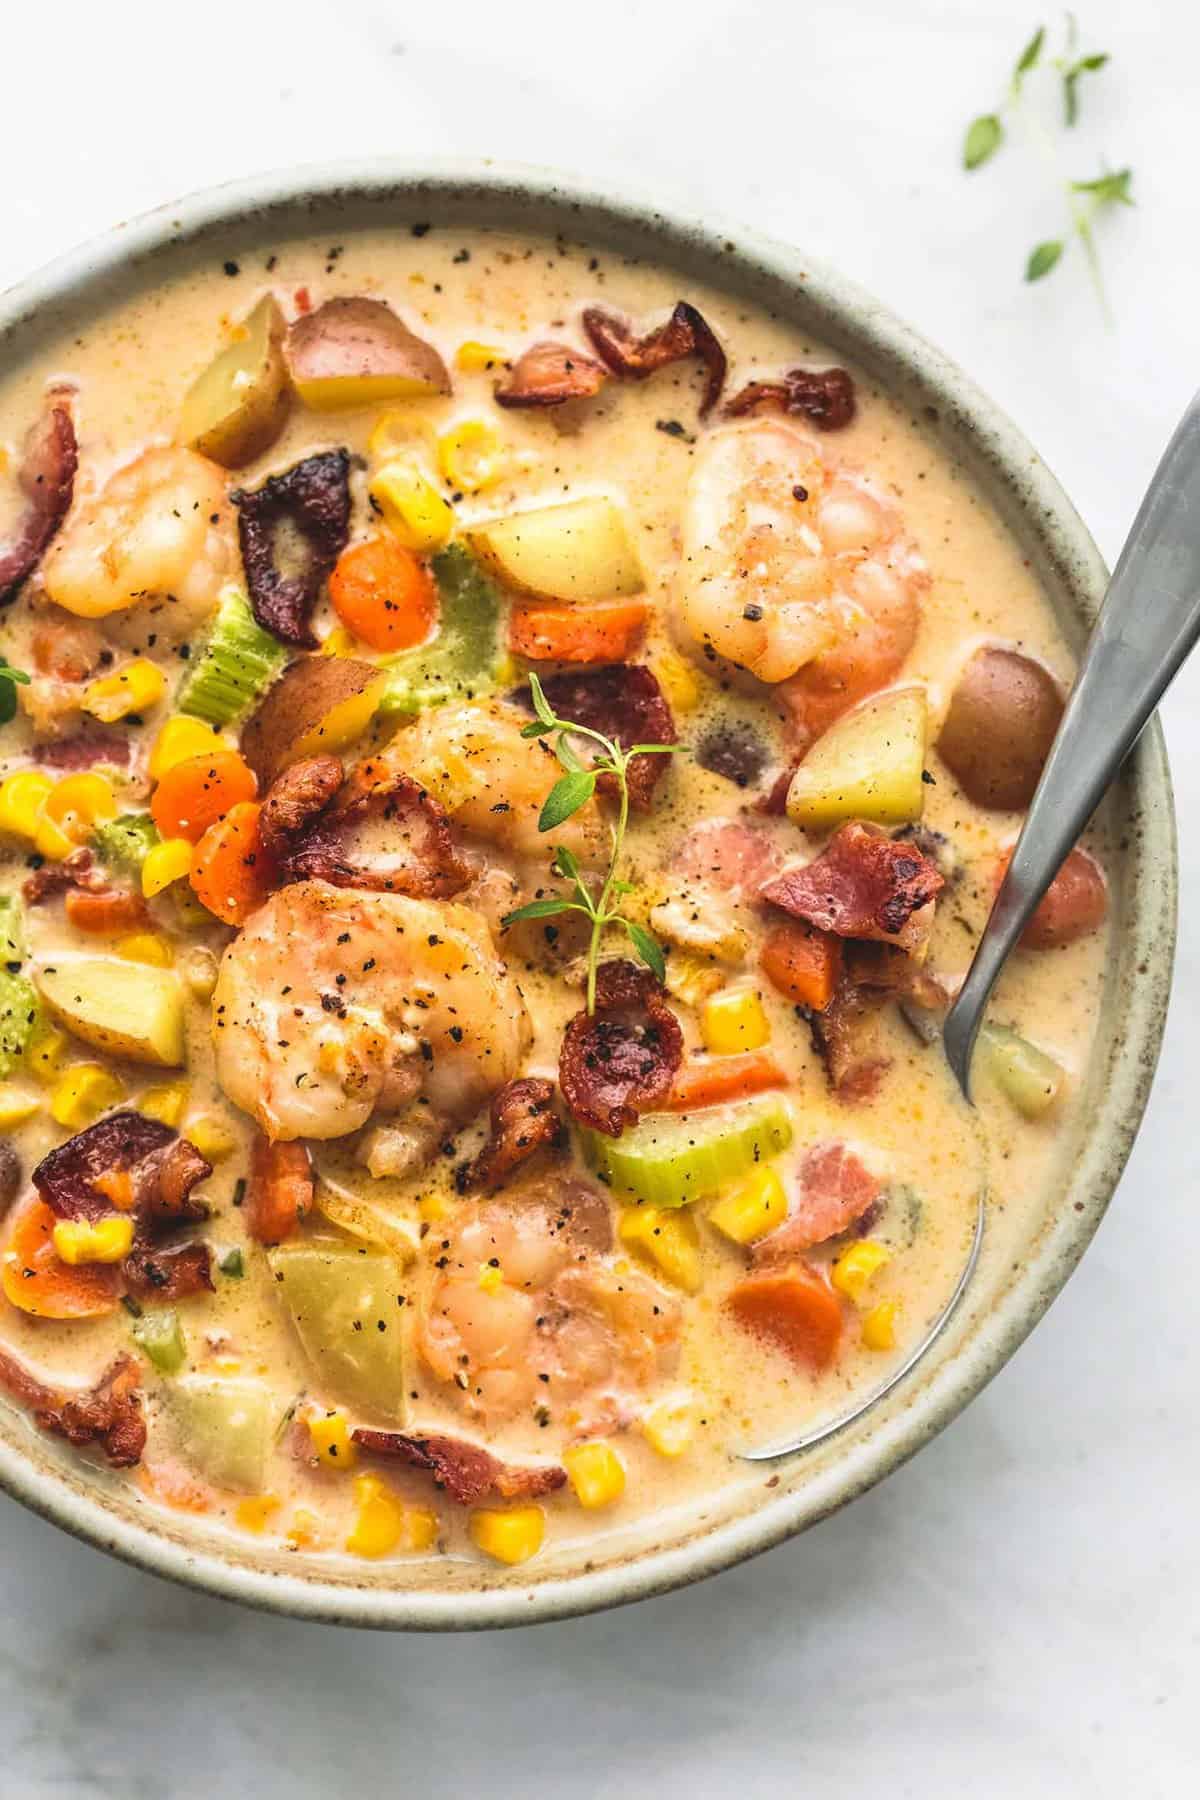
x=669, y=1159
x=125, y=842
x=236, y=665
x=225, y=1429
x=344, y=1300
x=160, y=1335
x=1027, y=1077
x=464, y=658
x=18, y=1000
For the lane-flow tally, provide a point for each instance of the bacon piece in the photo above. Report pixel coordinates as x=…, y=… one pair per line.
x=550, y=374
x=685, y=333
x=47, y=479
x=109, y=1414
x=871, y=975
x=416, y=854
x=467, y=1472
x=836, y=1189
x=151, y=1273
x=84, y=749
x=76, y=871
x=313, y=499
x=825, y=397
x=105, y=909
x=863, y=885
x=163, y=1183
x=622, y=1059
x=162, y=1169
x=726, y=855
x=626, y=703
x=523, y=1120
x=296, y=797
x=10, y=1175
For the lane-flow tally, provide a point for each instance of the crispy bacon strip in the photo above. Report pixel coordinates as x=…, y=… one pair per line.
x=151, y=1273
x=294, y=799
x=412, y=848
x=621, y=1060
x=47, y=479
x=466, y=1471
x=836, y=1189
x=109, y=1414
x=863, y=885
x=549, y=374
x=162, y=1169
x=313, y=499
x=523, y=1121
x=76, y=872
x=871, y=975
x=685, y=333
x=626, y=703
x=825, y=397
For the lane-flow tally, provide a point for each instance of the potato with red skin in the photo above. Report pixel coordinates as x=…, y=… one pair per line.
x=319, y=706
x=356, y=352
x=999, y=727
x=1074, y=905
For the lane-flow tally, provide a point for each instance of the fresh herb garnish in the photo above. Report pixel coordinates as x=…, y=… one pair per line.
x=232, y=1264
x=1084, y=199
x=571, y=791
x=9, y=677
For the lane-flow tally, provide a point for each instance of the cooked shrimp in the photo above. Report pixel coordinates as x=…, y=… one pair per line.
x=555, y=1324
x=493, y=781
x=332, y=1005
x=157, y=538
x=797, y=571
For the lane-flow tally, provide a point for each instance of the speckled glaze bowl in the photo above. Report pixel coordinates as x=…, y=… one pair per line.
x=1004, y=1303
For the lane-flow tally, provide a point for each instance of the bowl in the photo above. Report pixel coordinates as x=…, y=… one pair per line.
x=775, y=1501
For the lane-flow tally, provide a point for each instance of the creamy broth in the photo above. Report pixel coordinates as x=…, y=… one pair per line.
x=636, y=441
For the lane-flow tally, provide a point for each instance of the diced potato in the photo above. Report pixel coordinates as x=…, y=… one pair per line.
x=128, y=1009
x=320, y=705
x=344, y=1301
x=355, y=352
x=1028, y=1077
x=868, y=765
x=999, y=727
x=381, y=1210
x=224, y=1428
x=236, y=408
x=580, y=550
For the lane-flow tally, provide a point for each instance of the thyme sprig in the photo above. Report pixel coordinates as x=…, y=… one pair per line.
x=597, y=901
x=9, y=679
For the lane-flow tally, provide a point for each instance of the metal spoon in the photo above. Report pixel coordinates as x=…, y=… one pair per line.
x=1148, y=626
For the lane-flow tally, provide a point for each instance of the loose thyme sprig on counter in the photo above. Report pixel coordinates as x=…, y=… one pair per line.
x=1084, y=199
x=571, y=791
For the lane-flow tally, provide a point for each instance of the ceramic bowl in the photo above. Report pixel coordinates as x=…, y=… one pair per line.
x=776, y=1501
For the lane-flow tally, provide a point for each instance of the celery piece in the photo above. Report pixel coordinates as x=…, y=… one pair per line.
x=125, y=842
x=668, y=1159
x=344, y=1301
x=18, y=1000
x=225, y=1429
x=464, y=658
x=238, y=662
x=160, y=1335
x=1025, y=1075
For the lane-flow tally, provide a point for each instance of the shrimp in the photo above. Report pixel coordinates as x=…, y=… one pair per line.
x=796, y=570
x=559, y=1327
x=158, y=539
x=334, y=1004
x=493, y=781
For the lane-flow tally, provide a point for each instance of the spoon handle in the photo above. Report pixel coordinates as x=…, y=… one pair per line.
x=1149, y=623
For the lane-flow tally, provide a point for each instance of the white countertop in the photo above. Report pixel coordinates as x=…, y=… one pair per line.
x=1018, y=1610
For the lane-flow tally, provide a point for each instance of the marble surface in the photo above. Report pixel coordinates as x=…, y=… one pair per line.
x=1016, y=1611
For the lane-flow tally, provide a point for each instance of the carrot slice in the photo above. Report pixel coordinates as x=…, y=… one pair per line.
x=280, y=1192
x=197, y=793
x=794, y=1309
x=802, y=963
x=105, y=909
x=708, y=1081
x=384, y=594
x=232, y=873
x=36, y=1279
x=598, y=633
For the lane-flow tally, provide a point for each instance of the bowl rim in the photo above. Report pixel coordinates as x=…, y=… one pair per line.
x=1036, y=507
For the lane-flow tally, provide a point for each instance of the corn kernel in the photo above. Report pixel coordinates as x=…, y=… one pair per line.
x=434, y=1208
x=339, y=642
x=134, y=688
x=691, y=978
x=751, y=1209
x=146, y=947
x=734, y=1020
x=420, y=1528
x=117, y=1187
x=596, y=1474
x=52, y=842
x=180, y=739
x=491, y=1278
x=879, y=1326
x=212, y=1138
x=252, y=1513
x=227, y=1365
x=857, y=1267
x=670, y=1239
x=16, y=1106
x=678, y=681
x=93, y=1240
x=331, y=1440
x=46, y=1052
x=474, y=358
x=79, y=802
x=304, y=1530
x=411, y=506
x=471, y=456
x=670, y=1426
x=23, y=798
x=82, y=1093
x=379, y=1522
x=167, y=1104
x=167, y=862
x=509, y=1537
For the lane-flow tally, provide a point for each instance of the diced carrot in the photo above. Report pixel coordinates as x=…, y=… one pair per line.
x=802, y=962
x=197, y=793
x=795, y=1309
x=106, y=910
x=597, y=633
x=280, y=1192
x=117, y=1186
x=384, y=594
x=232, y=873
x=708, y=1081
x=174, y=1486
x=36, y=1279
